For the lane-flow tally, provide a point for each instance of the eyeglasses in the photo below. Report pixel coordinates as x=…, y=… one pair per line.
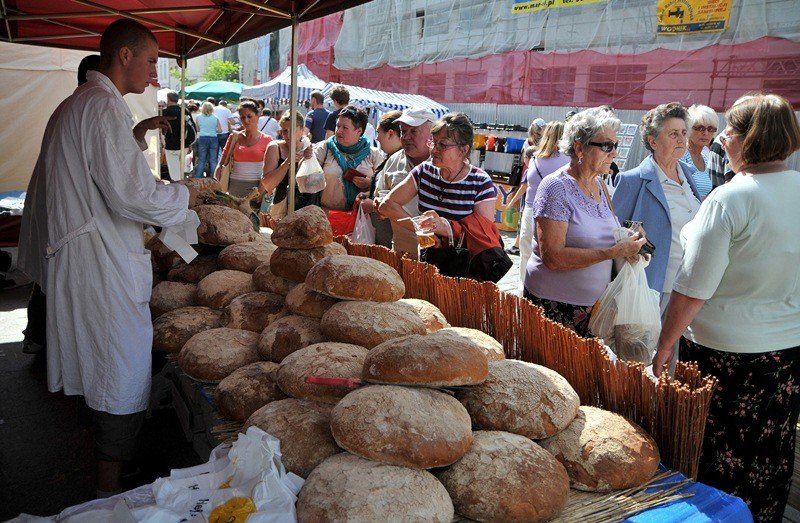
x=348, y=112
x=704, y=128
x=725, y=137
x=606, y=147
x=443, y=146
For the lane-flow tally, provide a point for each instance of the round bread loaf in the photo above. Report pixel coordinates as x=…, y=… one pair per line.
x=265, y=280
x=331, y=360
x=522, y=398
x=247, y=389
x=417, y=428
x=287, y=335
x=349, y=488
x=304, y=428
x=603, y=451
x=506, y=477
x=220, y=225
x=253, y=311
x=246, y=256
x=162, y=258
x=428, y=312
x=171, y=295
x=294, y=264
x=202, y=184
x=219, y=288
x=369, y=323
x=304, y=302
x=492, y=348
x=439, y=359
x=195, y=271
x=173, y=329
x=355, y=278
x=305, y=228
x=214, y=354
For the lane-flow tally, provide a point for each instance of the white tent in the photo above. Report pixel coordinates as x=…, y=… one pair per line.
x=280, y=87
x=382, y=101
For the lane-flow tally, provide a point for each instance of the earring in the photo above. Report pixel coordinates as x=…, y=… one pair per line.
x=580, y=161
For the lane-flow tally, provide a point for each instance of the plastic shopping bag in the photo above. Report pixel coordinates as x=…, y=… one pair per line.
x=310, y=177
x=627, y=315
x=364, y=231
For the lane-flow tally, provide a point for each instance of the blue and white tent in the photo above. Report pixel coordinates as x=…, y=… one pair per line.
x=280, y=87
x=378, y=102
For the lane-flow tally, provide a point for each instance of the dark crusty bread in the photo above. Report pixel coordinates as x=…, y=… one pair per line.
x=162, y=257
x=246, y=256
x=349, y=488
x=439, y=359
x=253, y=311
x=195, y=271
x=265, y=280
x=328, y=359
x=173, y=329
x=302, y=301
x=506, y=477
x=418, y=428
x=369, y=323
x=219, y=288
x=288, y=334
x=294, y=264
x=212, y=355
x=430, y=314
x=304, y=428
x=305, y=228
x=220, y=225
x=247, y=389
x=490, y=346
x=355, y=278
x=522, y=398
x=171, y=295
x=603, y=451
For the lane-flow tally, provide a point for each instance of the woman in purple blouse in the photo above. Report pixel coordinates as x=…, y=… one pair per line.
x=571, y=262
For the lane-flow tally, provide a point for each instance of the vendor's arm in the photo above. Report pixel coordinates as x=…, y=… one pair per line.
x=392, y=206
x=680, y=312
x=151, y=124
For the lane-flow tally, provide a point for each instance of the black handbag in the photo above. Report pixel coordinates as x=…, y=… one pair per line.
x=451, y=261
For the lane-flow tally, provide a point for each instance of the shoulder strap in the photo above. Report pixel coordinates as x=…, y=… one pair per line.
x=265, y=123
x=608, y=199
x=233, y=138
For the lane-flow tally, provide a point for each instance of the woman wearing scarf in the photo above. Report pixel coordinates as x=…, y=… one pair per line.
x=347, y=150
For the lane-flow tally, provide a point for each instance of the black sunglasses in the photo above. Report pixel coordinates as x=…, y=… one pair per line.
x=606, y=147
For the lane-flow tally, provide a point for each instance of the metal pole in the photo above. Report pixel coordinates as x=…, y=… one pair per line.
x=182, y=100
x=293, y=116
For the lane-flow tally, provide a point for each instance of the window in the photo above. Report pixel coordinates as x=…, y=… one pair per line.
x=617, y=84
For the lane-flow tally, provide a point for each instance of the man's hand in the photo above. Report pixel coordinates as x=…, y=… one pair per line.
x=151, y=124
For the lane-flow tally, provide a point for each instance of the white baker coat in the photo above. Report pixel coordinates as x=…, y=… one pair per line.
x=100, y=192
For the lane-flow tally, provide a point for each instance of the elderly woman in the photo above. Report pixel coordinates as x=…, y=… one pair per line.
x=736, y=301
x=571, y=262
x=275, y=176
x=704, y=122
x=348, y=160
x=207, y=149
x=248, y=152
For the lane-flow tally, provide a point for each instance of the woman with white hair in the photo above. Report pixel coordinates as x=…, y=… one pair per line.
x=571, y=262
x=704, y=122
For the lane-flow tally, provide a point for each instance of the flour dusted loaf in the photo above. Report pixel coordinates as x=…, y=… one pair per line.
x=247, y=389
x=506, y=477
x=603, y=451
x=305, y=228
x=349, y=488
x=253, y=311
x=334, y=360
x=265, y=280
x=355, y=278
x=195, y=271
x=219, y=288
x=417, y=428
x=221, y=225
x=523, y=398
x=440, y=359
x=490, y=346
x=246, y=256
x=171, y=295
x=369, y=323
x=304, y=428
x=214, y=354
x=173, y=329
x=304, y=302
x=428, y=312
x=202, y=184
x=294, y=264
x=162, y=257
x=287, y=335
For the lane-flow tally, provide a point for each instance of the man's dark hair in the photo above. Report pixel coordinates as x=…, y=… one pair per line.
x=260, y=104
x=316, y=95
x=172, y=96
x=212, y=100
x=89, y=63
x=123, y=33
x=340, y=95
x=266, y=112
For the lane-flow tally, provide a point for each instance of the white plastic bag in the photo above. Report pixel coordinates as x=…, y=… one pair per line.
x=627, y=316
x=364, y=231
x=310, y=177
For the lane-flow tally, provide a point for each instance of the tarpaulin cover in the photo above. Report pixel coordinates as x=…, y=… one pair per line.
x=216, y=89
x=382, y=101
x=280, y=87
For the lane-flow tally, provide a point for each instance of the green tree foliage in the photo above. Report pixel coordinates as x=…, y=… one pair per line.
x=175, y=72
x=222, y=70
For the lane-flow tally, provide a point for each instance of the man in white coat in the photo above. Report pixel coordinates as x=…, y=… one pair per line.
x=100, y=192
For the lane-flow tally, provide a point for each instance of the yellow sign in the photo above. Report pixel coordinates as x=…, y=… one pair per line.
x=529, y=6
x=692, y=16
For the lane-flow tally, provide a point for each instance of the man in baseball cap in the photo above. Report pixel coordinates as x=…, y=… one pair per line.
x=416, y=116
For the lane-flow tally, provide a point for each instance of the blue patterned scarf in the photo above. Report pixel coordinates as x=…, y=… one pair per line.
x=347, y=158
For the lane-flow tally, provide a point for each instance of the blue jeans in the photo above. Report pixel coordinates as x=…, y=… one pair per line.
x=207, y=149
x=222, y=139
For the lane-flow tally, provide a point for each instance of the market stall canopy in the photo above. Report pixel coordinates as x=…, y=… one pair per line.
x=382, y=101
x=217, y=89
x=280, y=87
x=183, y=27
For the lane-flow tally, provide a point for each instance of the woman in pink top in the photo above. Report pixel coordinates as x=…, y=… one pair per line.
x=248, y=152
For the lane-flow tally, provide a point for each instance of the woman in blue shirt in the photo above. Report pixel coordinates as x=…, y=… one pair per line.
x=703, y=122
x=207, y=145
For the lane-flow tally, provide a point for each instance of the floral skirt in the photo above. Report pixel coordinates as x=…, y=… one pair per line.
x=748, y=449
x=575, y=317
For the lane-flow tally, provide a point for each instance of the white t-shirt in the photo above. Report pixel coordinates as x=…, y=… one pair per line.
x=223, y=113
x=741, y=255
x=269, y=125
x=370, y=133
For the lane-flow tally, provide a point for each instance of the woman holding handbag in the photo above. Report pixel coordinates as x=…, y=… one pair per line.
x=244, y=153
x=275, y=179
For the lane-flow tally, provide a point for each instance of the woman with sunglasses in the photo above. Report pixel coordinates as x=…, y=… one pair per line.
x=276, y=164
x=704, y=124
x=661, y=194
x=248, y=152
x=736, y=308
x=571, y=262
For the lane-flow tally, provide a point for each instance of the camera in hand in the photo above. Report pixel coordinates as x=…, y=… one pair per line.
x=648, y=247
